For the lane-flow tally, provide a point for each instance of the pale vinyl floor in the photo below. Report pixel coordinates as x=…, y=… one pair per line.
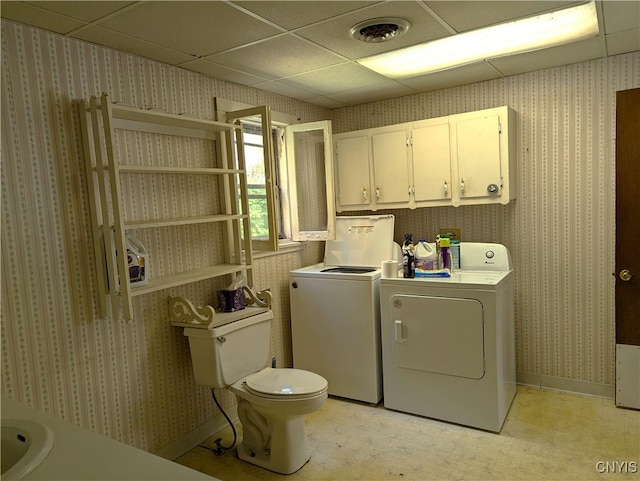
x=548, y=435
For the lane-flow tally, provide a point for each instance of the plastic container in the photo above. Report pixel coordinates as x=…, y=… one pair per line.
x=426, y=256
x=445, y=253
x=138, y=262
x=455, y=255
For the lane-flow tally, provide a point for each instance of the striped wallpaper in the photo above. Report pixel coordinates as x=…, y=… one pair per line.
x=130, y=381
x=133, y=381
x=561, y=228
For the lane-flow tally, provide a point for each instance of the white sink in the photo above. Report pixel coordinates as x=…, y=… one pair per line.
x=25, y=444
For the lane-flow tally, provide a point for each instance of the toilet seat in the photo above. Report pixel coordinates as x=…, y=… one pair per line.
x=285, y=383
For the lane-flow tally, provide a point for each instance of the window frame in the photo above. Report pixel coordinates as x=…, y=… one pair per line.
x=280, y=188
x=323, y=126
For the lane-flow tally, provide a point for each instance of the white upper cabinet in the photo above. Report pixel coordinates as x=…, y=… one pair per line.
x=353, y=155
x=456, y=160
x=481, y=156
x=431, y=161
x=391, y=165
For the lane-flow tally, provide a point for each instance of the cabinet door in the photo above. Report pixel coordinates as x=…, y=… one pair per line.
x=431, y=160
x=391, y=166
x=477, y=153
x=352, y=161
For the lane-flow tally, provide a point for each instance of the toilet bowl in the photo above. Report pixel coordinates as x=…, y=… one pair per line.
x=271, y=406
x=271, y=402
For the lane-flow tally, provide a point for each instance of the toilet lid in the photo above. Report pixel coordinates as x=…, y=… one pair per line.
x=286, y=382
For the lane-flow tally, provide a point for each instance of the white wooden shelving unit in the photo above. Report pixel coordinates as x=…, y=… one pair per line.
x=100, y=119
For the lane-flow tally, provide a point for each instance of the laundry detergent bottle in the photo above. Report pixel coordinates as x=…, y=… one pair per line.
x=137, y=260
x=426, y=255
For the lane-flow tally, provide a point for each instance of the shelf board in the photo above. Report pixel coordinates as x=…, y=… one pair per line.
x=187, y=277
x=123, y=112
x=146, y=169
x=143, y=224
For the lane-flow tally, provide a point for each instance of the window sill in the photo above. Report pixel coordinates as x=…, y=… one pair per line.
x=285, y=246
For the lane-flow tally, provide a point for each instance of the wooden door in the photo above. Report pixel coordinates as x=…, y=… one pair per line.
x=627, y=217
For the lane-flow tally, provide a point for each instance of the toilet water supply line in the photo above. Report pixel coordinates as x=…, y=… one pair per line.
x=219, y=450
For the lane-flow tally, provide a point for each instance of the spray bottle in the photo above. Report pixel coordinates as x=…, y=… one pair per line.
x=408, y=257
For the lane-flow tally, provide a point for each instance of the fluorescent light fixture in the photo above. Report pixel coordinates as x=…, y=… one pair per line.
x=535, y=33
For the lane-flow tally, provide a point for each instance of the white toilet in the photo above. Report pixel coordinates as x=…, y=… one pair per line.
x=271, y=402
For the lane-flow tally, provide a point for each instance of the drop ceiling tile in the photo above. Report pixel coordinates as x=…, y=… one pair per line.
x=286, y=90
x=466, y=74
x=334, y=34
x=195, y=28
x=552, y=57
x=381, y=91
x=345, y=76
x=327, y=102
x=125, y=43
x=620, y=15
x=220, y=72
x=36, y=17
x=471, y=15
x=295, y=14
x=280, y=56
x=82, y=10
x=623, y=42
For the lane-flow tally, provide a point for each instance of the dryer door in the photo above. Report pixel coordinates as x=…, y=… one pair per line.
x=438, y=334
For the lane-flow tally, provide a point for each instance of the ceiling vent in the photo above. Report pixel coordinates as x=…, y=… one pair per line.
x=379, y=29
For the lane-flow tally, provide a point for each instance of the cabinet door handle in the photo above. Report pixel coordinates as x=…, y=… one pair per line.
x=364, y=194
x=378, y=193
x=462, y=187
x=445, y=187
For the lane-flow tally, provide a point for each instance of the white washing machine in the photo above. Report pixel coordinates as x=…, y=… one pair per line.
x=335, y=308
x=448, y=344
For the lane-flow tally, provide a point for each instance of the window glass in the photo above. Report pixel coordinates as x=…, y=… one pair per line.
x=256, y=181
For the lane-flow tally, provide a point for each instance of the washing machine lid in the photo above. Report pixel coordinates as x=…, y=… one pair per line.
x=286, y=382
x=361, y=241
x=322, y=271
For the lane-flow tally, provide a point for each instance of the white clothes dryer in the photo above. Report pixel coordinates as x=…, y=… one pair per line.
x=335, y=308
x=449, y=343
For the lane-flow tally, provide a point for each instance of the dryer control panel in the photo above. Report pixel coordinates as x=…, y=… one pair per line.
x=482, y=256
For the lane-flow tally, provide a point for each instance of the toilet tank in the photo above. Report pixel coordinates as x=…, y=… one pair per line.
x=225, y=354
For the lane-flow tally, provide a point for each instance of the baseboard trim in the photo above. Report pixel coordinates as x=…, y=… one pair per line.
x=197, y=436
x=563, y=384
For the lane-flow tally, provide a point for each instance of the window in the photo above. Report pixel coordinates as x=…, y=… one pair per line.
x=257, y=181
x=289, y=175
x=309, y=153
